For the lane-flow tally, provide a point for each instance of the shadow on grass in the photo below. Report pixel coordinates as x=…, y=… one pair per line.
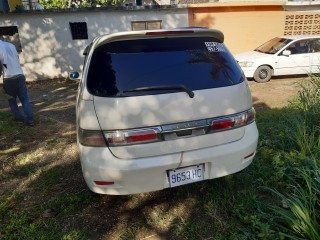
x=56, y=203
x=44, y=196
x=54, y=99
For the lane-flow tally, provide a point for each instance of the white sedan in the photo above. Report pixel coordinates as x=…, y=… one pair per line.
x=282, y=56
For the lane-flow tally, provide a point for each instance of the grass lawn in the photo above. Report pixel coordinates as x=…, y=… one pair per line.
x=43, y=194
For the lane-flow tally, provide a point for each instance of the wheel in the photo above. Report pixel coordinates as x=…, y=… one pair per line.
x=263, y=74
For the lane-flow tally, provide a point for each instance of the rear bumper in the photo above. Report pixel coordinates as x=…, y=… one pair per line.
x=150, y=174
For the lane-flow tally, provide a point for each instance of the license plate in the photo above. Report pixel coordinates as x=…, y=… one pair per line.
x=186, y=175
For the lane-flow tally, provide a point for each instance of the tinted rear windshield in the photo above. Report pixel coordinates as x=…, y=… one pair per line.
x=117, y=68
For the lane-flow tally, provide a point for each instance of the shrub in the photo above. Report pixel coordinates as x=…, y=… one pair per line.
x=299, y=215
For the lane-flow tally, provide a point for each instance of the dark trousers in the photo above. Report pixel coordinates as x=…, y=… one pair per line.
x=16, y=87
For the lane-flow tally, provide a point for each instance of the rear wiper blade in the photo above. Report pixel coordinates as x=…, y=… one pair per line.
x=165, y=87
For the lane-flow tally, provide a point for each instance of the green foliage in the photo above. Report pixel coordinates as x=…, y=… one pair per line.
x=299, y=215
x=26, y=224
x=300, y=218
x=307, y=100
x=307, y=104
x=47, y=4
x=49, y=178
x=21, y=226
x=74, y=235
x=6, y=126
x=289, y=141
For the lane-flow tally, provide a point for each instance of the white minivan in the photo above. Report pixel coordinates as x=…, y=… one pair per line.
x=160, y=109
x=286, y=55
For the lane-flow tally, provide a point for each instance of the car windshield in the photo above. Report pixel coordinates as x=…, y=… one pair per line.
x=157, y=66
x=273, y=46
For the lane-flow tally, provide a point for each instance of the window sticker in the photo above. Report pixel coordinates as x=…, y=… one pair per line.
x=215, y=47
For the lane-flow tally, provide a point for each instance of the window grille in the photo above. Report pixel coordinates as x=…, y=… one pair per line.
x=79, y=30
x=29, y=4
x=146, y=25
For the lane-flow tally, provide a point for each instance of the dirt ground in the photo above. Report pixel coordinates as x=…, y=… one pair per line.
x=275, y=93
x=56, y=98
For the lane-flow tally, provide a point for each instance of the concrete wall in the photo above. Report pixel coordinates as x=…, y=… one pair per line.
x=48, y=50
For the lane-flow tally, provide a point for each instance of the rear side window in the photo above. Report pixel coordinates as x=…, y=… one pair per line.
x=196, y=63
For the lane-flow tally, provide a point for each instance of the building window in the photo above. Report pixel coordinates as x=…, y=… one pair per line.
x=11, y=34
x=79, y=30
x=146, y=25
x=29, y=4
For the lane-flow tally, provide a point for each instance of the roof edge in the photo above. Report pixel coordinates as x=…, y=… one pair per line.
x=238, y=4
x=99, y=9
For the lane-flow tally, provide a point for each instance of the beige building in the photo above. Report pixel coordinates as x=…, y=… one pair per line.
x=248, y=24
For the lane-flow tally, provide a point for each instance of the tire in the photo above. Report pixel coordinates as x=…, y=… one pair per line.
x=263, y=74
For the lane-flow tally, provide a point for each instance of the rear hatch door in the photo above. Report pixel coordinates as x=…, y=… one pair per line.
x=128, y=79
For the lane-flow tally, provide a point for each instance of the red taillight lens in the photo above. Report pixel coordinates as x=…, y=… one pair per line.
x=234, y=121
x=118, y=138
x=103, y=183
x=143, y=136
x=250, y=155
x=222, y=124
x=91, y=138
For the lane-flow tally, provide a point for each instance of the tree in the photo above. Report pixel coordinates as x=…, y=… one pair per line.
x=54, y=3
x=47, y=4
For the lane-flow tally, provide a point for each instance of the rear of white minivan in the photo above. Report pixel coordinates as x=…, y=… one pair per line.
x=160, y=109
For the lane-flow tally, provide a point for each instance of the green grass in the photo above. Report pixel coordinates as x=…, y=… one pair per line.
x=6, y=126
x=276, y=197
x=301, y=216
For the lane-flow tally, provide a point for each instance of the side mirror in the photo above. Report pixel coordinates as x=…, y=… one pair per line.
x=74, y=75
x=286, y=53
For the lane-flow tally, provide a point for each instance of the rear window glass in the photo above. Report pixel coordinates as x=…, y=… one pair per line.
x=117, y=68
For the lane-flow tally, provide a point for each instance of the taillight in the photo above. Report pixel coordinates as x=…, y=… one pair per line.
x=91, y=138
x=103, y=183
x=251, y=115
x=249, y=156
x=233, y=121
x=221, y=124
x=118, y=138
x=161, y=133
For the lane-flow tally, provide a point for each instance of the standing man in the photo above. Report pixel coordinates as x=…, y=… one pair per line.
x=14, y=83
